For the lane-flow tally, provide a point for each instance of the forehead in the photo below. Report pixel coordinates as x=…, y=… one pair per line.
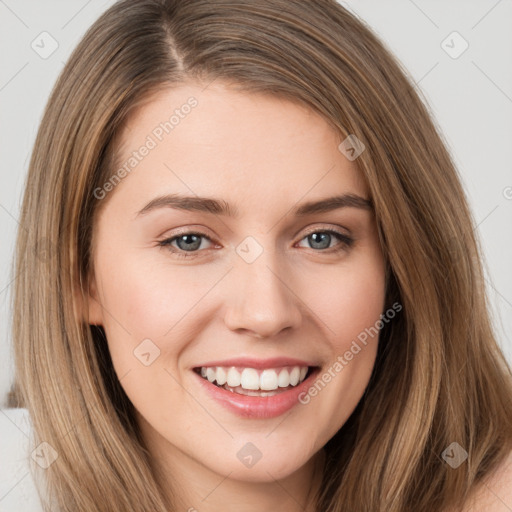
x=223, y=142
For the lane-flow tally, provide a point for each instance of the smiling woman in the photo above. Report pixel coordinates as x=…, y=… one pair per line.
x=263, y=277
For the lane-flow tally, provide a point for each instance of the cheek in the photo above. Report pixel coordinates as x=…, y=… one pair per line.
x=151, y=307
x=350, y=307
x=349, y=299
x=148, y=298
x=147, y=309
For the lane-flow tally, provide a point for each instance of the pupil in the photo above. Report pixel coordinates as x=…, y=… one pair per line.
x=191, y=242
x=326, y=238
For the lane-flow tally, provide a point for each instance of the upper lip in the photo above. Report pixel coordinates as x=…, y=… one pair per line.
x=247, y=362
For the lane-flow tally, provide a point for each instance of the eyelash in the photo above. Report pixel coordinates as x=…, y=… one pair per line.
x=346, y=242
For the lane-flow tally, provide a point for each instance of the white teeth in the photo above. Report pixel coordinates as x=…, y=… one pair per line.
x=210, y=374
x=234, y=378
x=284, y=379
x=268, y=380
x=294, y=376
x=241, y=391
x=252, y=380
x=221, y=376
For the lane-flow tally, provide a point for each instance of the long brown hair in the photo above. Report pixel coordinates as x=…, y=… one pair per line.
x=439, y=376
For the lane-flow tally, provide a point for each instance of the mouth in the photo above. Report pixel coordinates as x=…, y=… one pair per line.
x=252, y=381
x=256, y=391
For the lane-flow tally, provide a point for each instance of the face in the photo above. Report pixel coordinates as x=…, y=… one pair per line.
x=263, y=288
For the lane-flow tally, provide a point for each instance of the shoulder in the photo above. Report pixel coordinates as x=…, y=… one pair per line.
x=495, y=492
x=17, y=488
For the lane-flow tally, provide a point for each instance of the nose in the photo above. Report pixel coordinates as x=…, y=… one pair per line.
x=261, y=302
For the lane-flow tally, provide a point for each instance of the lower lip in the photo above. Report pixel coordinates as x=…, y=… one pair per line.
x=256, y=406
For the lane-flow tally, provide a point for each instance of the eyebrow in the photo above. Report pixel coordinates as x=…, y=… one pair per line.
x=221, y=207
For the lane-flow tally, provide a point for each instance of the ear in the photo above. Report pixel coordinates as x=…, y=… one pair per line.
x=90, y=310
x=95, y=311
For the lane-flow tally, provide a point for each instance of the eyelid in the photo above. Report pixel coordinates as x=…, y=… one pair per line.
x=330, y=228
x=186, y=230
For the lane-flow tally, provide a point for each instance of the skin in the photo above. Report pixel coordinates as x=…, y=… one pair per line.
x=295, y=299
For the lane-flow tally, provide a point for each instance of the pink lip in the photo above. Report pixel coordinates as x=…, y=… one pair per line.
x=258, y=364
x=254, y=406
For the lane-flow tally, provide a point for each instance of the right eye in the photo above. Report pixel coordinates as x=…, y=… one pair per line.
x=187, y=242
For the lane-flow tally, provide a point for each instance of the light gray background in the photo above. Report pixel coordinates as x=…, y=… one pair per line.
x=470, y=97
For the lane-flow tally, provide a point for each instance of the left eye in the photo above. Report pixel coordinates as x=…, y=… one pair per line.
x=323, y=239
x=191, y=242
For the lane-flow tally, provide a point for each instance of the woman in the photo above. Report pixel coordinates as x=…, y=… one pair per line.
x=183, y=343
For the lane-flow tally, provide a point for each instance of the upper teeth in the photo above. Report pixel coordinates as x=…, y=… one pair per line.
x=250, y=378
